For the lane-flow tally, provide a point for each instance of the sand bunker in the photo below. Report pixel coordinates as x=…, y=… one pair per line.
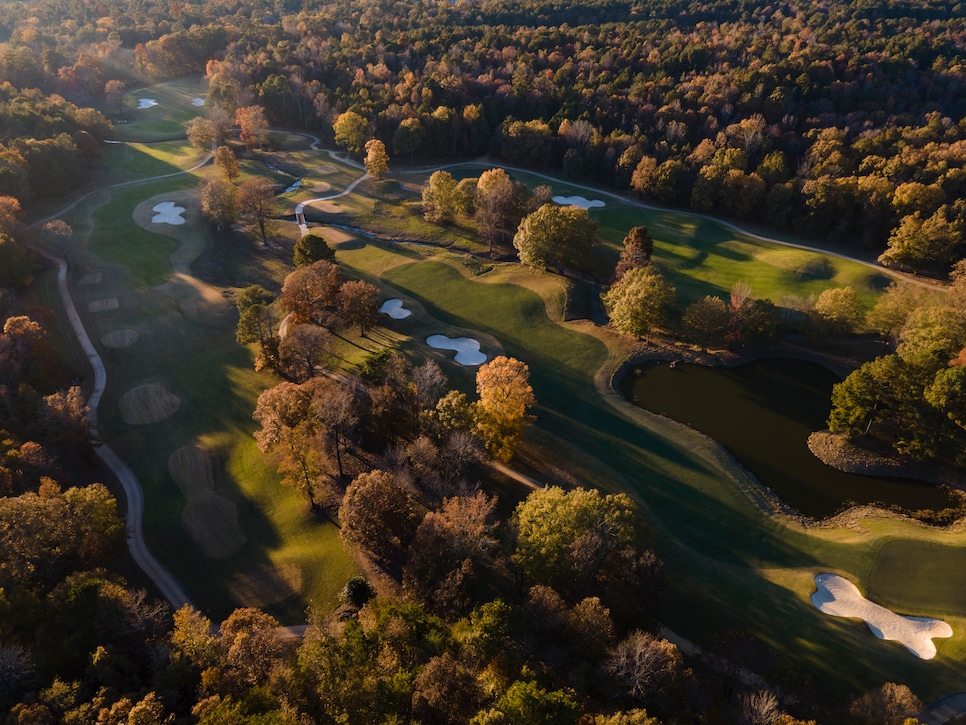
x=266, y=585
x=147, y=102
x=841, y=598
x=394, y=308
x=167, y=212
x=467, y=349
x=91, y=278
x=197, y=101
x=110, y=303
x=190, y=467
x=117, y=339
x=578, y=201
x=148, y=404
x=212, y=521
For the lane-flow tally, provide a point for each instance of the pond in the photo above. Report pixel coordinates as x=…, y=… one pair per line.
x=763, y=413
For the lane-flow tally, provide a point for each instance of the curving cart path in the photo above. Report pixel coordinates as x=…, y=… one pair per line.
x=163, y=579
x=166, y=582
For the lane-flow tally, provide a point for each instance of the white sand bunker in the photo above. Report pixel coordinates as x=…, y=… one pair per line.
x=841, y=598
x=394, y=308
x=147, y=102
x=167, y=212
x=110, y=303
x=148, y=404
x=467, y=349
x=197, y=101
x=116, y=339
x=578, y=201
x=91, y=278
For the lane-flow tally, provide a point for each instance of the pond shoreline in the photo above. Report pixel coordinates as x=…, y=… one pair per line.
x=832, y=450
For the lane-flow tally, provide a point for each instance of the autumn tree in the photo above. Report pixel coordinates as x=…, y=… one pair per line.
x=256, y=199
x=922, y=243
x=890, y=704
x=408, y=137
x=646, y=667
x=637, y=252
x=840, y=310
x=439, y=197
x=706, y=321
x=200, y=133
x=358, y=303
x=379, y=515
x=254, y=126
x=226, y=161
x=377, y=160
x=494, y=205
x=303, y=349
x=558, y=236
x=310, y=291
x=640, y=301
x=288, y=433
x=350, y=132
x=219, y=202
x=502, y=412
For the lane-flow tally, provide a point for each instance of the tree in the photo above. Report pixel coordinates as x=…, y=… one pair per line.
x=303, y=349
x=256, y=321
x=439, y=197
x=226, y=161
x=646, y=666
x=893, y=309
x=408, y=137
x=501, y=414
x=840, y=310
x=552, y=525
x=377, y=160
x=445, y=691
x=309, y=291
x=890, y=704
x=640, y=301
x=200, y=133
x=562, y=236
x=219, y=202
x=706, y=321
x=643, y=176
x=526, y=703
x=923, y=243
x=379, y=515
x=350, y=132
x=494, y=204
x=637, y=251
x=288, y=433
x=254, y=126
x=256, y=198
x=310, y=249
x=358, y=303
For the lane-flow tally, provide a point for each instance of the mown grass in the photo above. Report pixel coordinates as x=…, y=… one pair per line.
x=166, y=120
x=730, y=566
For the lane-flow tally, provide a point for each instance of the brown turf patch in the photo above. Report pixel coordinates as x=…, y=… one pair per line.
x=190, y=467
x=212, y=521
x=328, y=207
x=110, y=303
x=266, y=585
x=119, y=338
x=148, y=404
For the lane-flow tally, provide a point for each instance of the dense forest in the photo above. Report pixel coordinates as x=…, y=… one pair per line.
x=845, y=122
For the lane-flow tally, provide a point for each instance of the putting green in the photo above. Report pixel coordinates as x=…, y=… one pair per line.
x=166, y=118
x=920, y=576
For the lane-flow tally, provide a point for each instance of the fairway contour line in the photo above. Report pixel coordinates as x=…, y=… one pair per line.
x=841, y=598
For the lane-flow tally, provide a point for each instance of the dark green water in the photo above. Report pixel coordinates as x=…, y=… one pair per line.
x=763, y=413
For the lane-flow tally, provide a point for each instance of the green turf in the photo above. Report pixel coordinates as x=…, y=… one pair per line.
x=731, y=566
x=920, y=576
x=166, y=120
